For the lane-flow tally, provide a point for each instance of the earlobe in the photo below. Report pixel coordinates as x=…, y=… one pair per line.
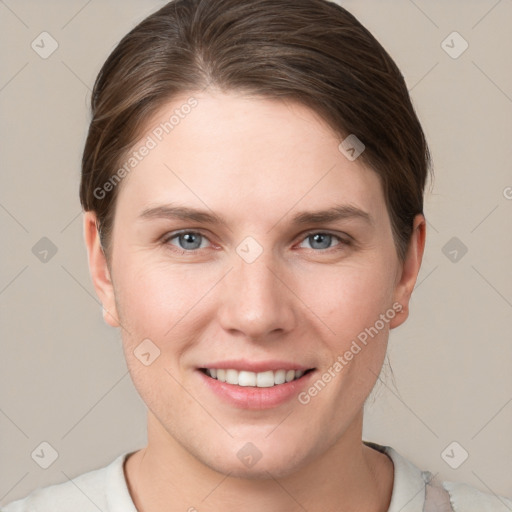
x=99, y=270
x=409, y=270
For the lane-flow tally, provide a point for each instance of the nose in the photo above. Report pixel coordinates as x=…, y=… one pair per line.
x=256, y=300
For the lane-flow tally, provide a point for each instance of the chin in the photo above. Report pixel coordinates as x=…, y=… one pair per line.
x=250, y=463
x=259, y=471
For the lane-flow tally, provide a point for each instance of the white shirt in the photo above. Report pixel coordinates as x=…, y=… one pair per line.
x=106, y=490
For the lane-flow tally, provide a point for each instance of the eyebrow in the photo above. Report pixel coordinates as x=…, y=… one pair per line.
x=336, y=213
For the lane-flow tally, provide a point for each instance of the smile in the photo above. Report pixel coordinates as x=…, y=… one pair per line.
x=265, y=379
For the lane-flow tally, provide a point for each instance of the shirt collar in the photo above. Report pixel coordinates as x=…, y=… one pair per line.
x=408, y=493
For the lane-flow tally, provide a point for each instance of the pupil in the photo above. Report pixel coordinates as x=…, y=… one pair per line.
x=322, y=239
x=190, y=241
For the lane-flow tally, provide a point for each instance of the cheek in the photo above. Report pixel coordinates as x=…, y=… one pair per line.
x=355, y=302
x=352, y=297
x=158, y=308
x=154, y=298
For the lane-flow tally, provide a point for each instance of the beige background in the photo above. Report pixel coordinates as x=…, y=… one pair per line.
x=63, y=375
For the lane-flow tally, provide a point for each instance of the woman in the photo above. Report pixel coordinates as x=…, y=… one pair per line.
x=253, y=184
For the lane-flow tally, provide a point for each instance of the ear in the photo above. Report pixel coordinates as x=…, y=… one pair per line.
x=409, y=270
x=99, y=270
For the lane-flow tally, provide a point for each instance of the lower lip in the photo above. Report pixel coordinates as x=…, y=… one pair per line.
x=252, y=397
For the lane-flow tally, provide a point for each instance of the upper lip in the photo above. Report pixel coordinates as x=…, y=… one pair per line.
x=256, y=366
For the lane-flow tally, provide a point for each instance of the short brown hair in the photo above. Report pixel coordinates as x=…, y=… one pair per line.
x=310, y=51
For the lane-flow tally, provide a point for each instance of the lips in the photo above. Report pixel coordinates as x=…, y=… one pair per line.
x=252, y=384
x=259, y=385
x=250, y=365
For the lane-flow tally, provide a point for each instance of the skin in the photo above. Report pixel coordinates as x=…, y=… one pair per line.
x=256, y=163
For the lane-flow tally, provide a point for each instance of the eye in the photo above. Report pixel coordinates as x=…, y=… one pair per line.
x=187, y=240
x=191, y=241
x=322, y=241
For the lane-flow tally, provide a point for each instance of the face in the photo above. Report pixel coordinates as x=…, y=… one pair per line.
x=246, y=246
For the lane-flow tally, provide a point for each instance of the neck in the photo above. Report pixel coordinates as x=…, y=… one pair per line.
x=349, y=476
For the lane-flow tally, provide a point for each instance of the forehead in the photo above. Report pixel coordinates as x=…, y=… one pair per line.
x=245, y=154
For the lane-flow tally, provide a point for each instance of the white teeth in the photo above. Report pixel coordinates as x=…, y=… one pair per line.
x=231, y=376
x=265, y=379
x=261, y=380
x=280, y=377
x=246, y=378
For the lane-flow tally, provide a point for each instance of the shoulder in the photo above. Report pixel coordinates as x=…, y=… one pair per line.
x=415, y=490
x=466, y=498
x=88, y=492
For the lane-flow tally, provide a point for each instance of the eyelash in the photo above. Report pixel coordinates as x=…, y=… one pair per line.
x=342, y=242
